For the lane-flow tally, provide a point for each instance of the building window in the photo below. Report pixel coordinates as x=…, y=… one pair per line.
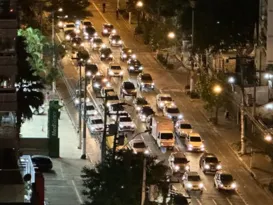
x=5, y=82
x=6, y=44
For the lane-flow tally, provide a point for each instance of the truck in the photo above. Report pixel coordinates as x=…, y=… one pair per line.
x=162, y=130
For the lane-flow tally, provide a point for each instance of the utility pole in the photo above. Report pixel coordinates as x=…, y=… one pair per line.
x=143, y=190
x=243, y=146
x=103, y=143
x=53, y=46
x=84, y=118
x=80, y=107
x=116, y=135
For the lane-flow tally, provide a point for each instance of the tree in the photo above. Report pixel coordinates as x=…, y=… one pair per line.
x=28, y=85
x=212, y=90
x=120, y=182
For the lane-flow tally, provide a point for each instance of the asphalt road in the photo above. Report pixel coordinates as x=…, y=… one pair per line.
x=171, y=82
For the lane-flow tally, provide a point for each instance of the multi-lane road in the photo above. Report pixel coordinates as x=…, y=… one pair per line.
x=249, y=193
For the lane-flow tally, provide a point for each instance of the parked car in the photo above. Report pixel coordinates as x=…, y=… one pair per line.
x=42, y=162
x=95, y=124
x=79, y=97
x=126, y=124
x=90, y=109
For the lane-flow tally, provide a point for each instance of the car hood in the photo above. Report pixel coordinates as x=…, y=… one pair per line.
x=97, y=125
x=227, y=183
x=196, y=144
x=126, y=124
x=186, y=131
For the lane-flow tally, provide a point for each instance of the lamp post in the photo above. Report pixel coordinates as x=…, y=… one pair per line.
x=53, y=45
x=217, y=90
x=139, y=5
x=143, y=191
x=171, y=36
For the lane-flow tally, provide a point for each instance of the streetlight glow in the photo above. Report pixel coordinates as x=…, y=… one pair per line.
x=268, y=138
x=231, y=80
x=60, y=9
x=171, y=35
x=139, y=4
x=217, y=89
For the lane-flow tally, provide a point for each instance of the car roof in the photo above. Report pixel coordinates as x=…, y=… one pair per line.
x=183, y=122
x=96, y=118
x=127, y=82
x=193, y=174
x=209, y=155
x=224, y=173
x=115, y=64
x=195, y=134
x=40, y=156
x=89, y=103
x=146, y=74
x=163, y=95
x=127, y=49
x=179, y=154
x=107, y=24
x=70, y=22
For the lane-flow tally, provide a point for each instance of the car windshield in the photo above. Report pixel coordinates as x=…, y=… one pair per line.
x=97, y=40
x=226, y=177
x=70, y=26
x=139, y=145
x=87, y=23
x=194, y=178
x=211, y=160
x=107, y=26
x=180, y=160
x=165, y=98
x=90, y=107
x=97, y=121
x=146, y=77
x=195, y=139
x=172, y=110
x=115, y=67
x=129, y=86
x=166, y=136
x=141, y=101
x=116, y=37
x=185, y=126
x=125, y=119
x=113, y=97
x=107, y=51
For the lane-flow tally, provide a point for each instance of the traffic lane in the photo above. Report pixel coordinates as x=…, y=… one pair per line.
x=214, y=143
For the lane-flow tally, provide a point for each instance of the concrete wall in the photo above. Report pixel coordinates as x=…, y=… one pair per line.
x=34, y=146
x=12, y=193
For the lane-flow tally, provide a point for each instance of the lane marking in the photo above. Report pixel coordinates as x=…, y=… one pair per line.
x=198, y=201
x=242, y=198
x=99, y=12
x=229, y=201
x=77, y=192
x=214, y=201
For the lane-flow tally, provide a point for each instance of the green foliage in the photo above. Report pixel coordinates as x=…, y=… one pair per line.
x=122, y=182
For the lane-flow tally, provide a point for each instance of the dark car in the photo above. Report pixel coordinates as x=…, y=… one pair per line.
x=134, y=65
x=96, y=43
x=107, y=29
x=92, y=68
x=43, y=163
x=89, y=33
x=115, y=40
x=98, y=82
x=105, y=53
x=77, y=41
x=126, y=54
x=178, y=162
x=145, y=81
x=209, y=163
x=139, y=102
x=128, y=89
x=145, y=112
x=69, y=35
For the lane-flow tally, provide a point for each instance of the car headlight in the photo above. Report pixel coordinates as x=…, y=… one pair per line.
x=124, y=56
x=82, y=44
x=121, y=73
x=142, y=84
x=131, y=67
x=121, y=126
x=102, y=55
x=95, y=112
x=96, y=85
x=153, y=84
x=111, y=72
x=233, y=185
x=67, y=37
x=135, y=152
x=202, y=146
x=187, y=167
x=94, y=45
x=87, y=99
x=120, y=42
x=60, y=24
x=207, y=166
x=219, y=166
x=138, y=108
x=111, y=55
x=169, y=116
x=74, y=44
x=92, y=128
x=108, y=104
x=86, y=34
x=161, y=104
x=77, y=101
x=201, y=185
x=140, y=68
x=180, y=117
x=143, y=117
x=190, y=145
x=105, y=31
x=189, y=185
x=176, y=167
x=77, y=31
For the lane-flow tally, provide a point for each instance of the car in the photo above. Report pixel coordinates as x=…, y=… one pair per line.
x=134, y=65
x=112, y=98
x=126, y=54
x=178, y=162
x=115, y=70
x=115, y=40
x=209, y=163
x=192, y=181
x=127, y=88
x=77, y=41
x=105, y=53
x=69, y=35
x=99, y=81
x=194, y=142
x=38, y=111
x=139, y=102
x=183, y=128
x=69, y=26
x=85, y=24
x=171, y=111
x=90, y=109
x=96, y=43
x=92, y=68
x=79, y=97
x=95, y=124
x=224, y=181
x=138, y=146
x=42, y=162
x=105, y=90
x=126, y=124
x=145, y=81
x=89, y=33
x=145, y=112
x=116, y=108
x=162, y=100
x=107, y=29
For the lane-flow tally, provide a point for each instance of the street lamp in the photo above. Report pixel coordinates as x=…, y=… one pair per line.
x=231, y=81
x=217, y=89
x=139, y=6
x=171, y=35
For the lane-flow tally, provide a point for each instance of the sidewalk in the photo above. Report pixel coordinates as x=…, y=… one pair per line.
x=255, y=161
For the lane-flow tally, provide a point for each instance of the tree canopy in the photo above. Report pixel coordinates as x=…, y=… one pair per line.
x=120, y=182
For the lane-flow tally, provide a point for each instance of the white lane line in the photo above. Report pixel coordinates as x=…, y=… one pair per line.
x=62, y=171
x=58, y=37
x=214, y=201
x=198, y=201
x=242, y=198
x=229, y=201
x=99, y=12
x=77, y=192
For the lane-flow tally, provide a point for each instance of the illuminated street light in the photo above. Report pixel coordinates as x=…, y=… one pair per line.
x=139, y=4
x=268, y=138
x=231, y=81
x=217, y=89
x=171, y=35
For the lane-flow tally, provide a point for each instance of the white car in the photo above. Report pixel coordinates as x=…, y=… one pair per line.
x=112, y=111
x=162, y=100
x=105, y=90
x=69, y=26
x=112, y=98
x=194, y=142
x=95, y=124
x=183, y=128
x=90, y=109
x=115, y=70
x=138, y=146
x=126, y=124
x=171, y=111
x=224, y=180
x=192, y=181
